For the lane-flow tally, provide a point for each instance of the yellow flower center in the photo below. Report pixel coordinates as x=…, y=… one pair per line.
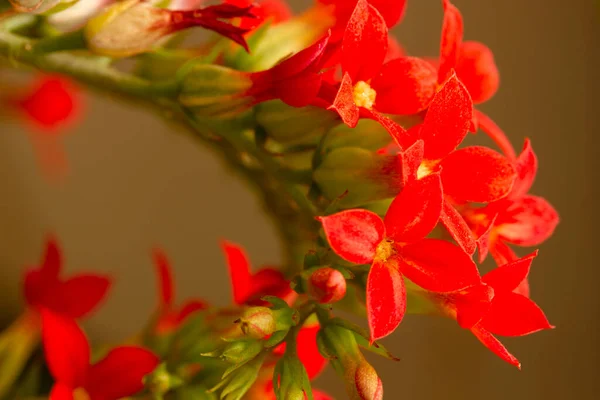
x=81, y=394
x=364, y=95
x=384, y=250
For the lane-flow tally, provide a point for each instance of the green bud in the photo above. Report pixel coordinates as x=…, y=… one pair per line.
x=258, y=322
x=291, y=125
x=160, y=381
x=194, y=392
x=235, y=384
x=127, y=28
x=41, y=6
x=238, y=352
x=362, y=176
x=368, y=135
x=214, y=91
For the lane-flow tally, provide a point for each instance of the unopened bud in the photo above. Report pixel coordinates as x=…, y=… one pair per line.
x=238, y=352
x=368, y=384
x=327, y=285
x=160, y=381
x=258, y=322
x=40, y=6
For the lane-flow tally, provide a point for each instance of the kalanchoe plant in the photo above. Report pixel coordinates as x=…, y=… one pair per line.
x=356, y=149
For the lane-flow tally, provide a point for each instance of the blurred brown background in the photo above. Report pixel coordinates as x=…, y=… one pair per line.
x=136, y=182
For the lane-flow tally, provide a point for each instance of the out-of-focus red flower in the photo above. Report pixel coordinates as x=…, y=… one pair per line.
x=520, y=218
x=475, y=67
x=470, y=174
x=248, y=288
x=119, y=374
x=496, y=308
x=395, y=247
x=370, y=86
x=264, y=10
x=170, y=316
x=74, y=297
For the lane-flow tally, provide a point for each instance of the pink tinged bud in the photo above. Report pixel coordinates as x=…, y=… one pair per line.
x=258, y=322
x=368, y=384
x=327, y=285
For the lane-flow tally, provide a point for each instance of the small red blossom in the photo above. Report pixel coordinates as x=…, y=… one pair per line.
x=170, y=316
x=520, y=218
x=75, y=297
x=396, y=247
x=370, y=86
x=470, y=174
x=327, y=285
x=248, y=288
x=496, y=308
x=119, y=374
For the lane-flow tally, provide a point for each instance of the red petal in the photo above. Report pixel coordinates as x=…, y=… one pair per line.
x=477, y=69
x=61, y=392
x=386, y=298
x=529, y=221
x=301, y=61
x=483, y=241
x=308, y=352
x=405, y=86
x=512, y=314
x=447, y=121
x=80, y=295
x=392, y=11
x=526, y=166
x=415, y=211
x=66, y=348
x=53, y=103
x=458, y=228
x=508, y=277
x=450, y=43
x=239, y=271
x=365, y=43
x=395, y=50
x=354, y=234
x=438, y=266
x=190, y=308
x=120, y=373
x=477, y=174
x=494, y=345
x=52, y=261
x=487, y=125
x=267, y=282
x=344, y=103
x=472, y=304
x=502, y=253
x=394, y=129
x=299, y=91
x=410, y=160
x=165, y=278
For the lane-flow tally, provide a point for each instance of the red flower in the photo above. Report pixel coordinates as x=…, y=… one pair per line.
x=369, y=86
x=475, y=67
x=396, y=247
x=249, y=288
x=75, y=297
x=495, y=307
x=264, y=10
x=170, y=317
x=520, y=218
x=471, y=174
x=119, y=374
x=295, y=81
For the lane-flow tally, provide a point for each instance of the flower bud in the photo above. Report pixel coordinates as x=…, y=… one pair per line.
x=238, y=352
x=258, y=322
x=160, y=381
x=368, y=384
x=40, y=6
x=327, y=285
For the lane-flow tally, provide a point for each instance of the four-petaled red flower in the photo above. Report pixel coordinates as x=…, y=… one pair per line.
x=170, y=316
x=370, y=86
x=496, y=308
x=248, y=288
x=74, y=297
x=119, y=374
x=395, y=247
x=470, y=174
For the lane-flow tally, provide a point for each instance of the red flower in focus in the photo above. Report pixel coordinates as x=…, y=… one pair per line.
x=520, y=218
x=496, y=308
x=119, y=374
x=370, y=86
x=475, y=67
x=471, y=174
x=395, y=247
x=170, y=317
x=249, y=288
x=75, y=297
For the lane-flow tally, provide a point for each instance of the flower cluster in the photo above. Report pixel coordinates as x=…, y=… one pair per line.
x=362, y=154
